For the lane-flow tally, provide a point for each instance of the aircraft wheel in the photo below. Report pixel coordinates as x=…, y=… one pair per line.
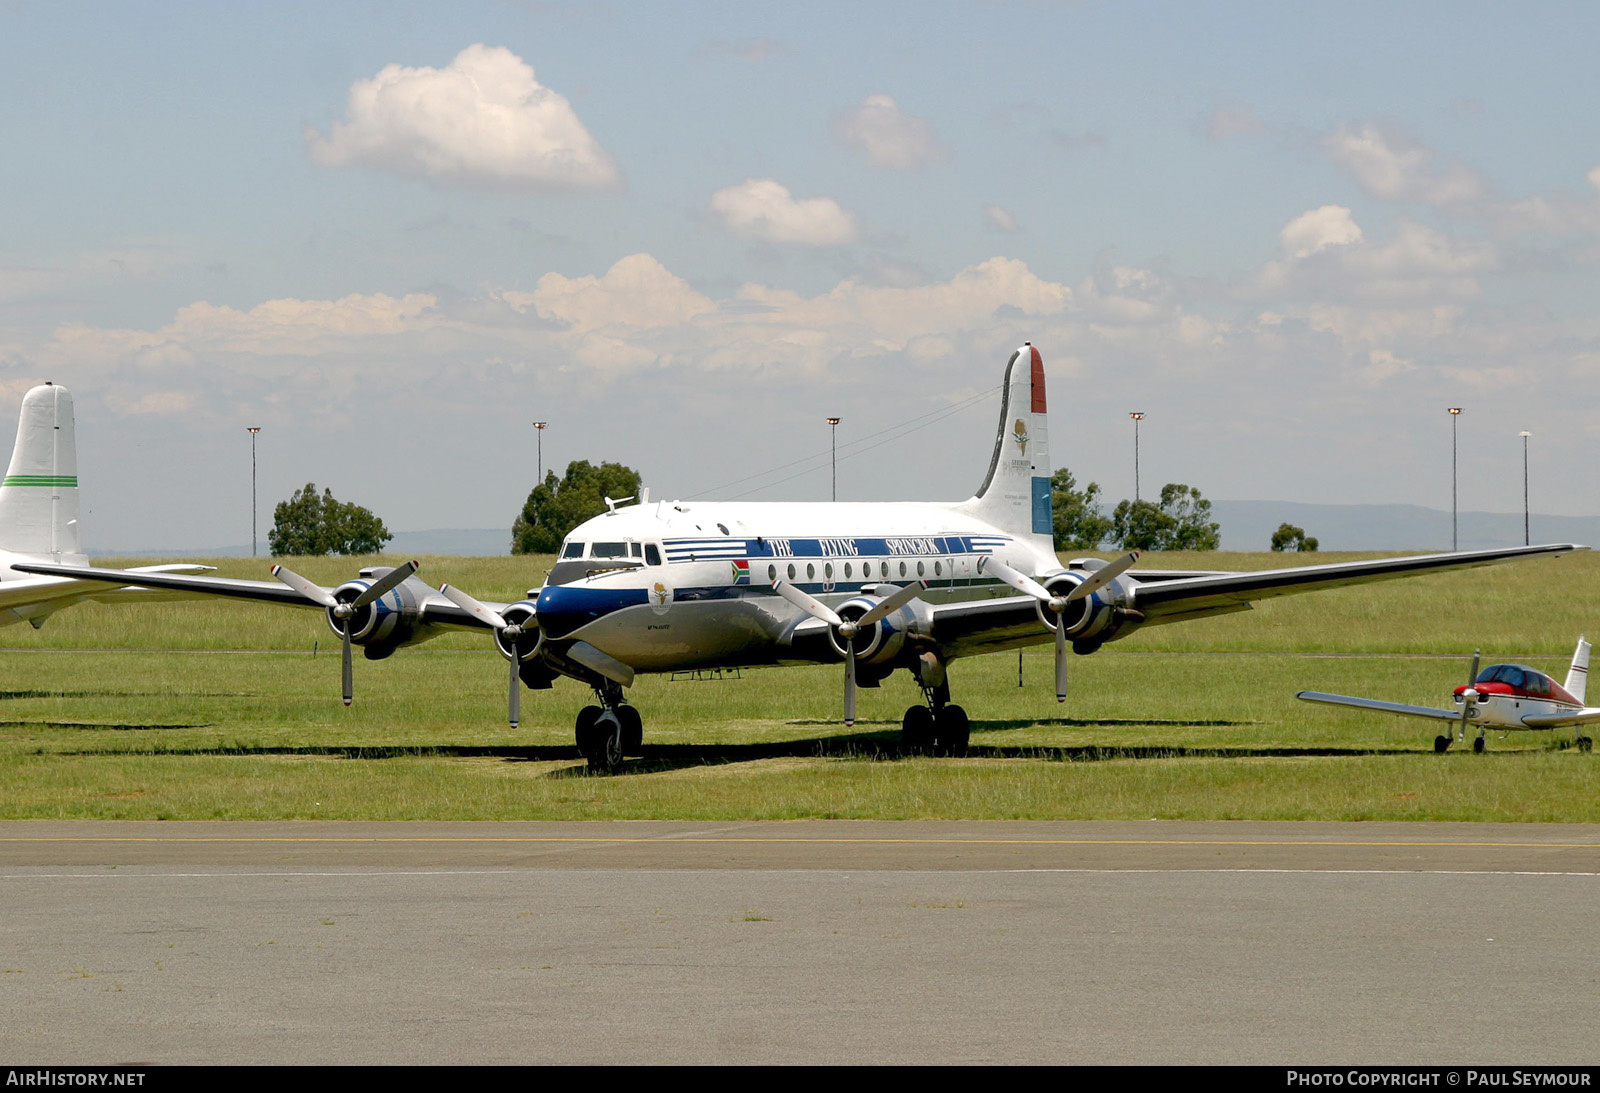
x=588, y=740
x=607, y=736
x=1477, y=745
x=1440, y=743
x=952, y=731
x=917, y=729
x=1585, y=744
x=632, y=729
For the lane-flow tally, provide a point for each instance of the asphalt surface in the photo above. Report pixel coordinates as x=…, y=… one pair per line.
x=797, y=942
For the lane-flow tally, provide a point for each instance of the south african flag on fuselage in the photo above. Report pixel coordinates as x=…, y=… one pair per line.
x=741, y=571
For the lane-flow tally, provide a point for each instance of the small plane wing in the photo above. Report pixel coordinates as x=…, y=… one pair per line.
x=1584, y=716
x=1374, y=704
x=1236, y=591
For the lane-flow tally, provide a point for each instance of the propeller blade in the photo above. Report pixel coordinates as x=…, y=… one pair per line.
x=884, y=608
x=315, y=593
x=811, y=606
x=384, y=584
x=1103, y=576
x=1022, y=583
x=347, y=671
x=481, y=611
x=1469, y=698
x=1061, y=661
x=515, y=708
x=850, y=683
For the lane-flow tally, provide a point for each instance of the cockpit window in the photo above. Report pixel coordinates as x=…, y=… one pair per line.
x=651, y=554
x=609, y=550
x=572, y=550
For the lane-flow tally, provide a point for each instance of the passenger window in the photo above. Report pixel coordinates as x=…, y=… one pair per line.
x=827, y=571
x=651, y=554
x=811, y=571
x=791, y=571
x=847, y=571
x=772, y=572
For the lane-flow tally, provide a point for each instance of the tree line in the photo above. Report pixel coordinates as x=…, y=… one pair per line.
x=309, y=523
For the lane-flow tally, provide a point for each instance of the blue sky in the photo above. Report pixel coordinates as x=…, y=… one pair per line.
x=393, y=235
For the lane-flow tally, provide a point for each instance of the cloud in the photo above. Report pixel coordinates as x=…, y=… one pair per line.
x=999, y=219
x=887, y=136
x=636, y=292
x=763, y=208
x=1308, y=233
x=483, y=120
x=1395, y=167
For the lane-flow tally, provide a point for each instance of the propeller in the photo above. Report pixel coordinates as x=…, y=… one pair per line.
x=507, y=630
x=1469, y=697
x=849, y=628
x=1084, y=589
x=342, y=610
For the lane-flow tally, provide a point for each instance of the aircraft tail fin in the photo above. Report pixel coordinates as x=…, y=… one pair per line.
x=1578, y=674
x=1015, y=495
x=39, y=496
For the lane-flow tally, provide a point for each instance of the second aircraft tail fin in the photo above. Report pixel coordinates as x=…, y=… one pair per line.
x=1578, y=674
x=39, y=496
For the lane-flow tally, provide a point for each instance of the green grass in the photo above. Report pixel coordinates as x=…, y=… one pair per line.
x=222, y=710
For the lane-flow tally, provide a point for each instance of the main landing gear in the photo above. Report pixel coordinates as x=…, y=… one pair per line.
x=1585, y=744
x=610, y=731
x=937, y=726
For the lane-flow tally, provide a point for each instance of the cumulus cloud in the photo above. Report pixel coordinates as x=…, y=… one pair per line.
x=886, y=135
x=482, y=120
x=638, y=291
x=999, y=219
x=1329, y=226
x=1393, y=166
x=763, y=208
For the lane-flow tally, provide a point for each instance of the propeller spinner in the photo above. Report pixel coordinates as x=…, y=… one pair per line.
x=849, y=628
x=1059, y=604
x=345, y=611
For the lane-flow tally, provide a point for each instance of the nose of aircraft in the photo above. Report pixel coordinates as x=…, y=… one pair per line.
x=566, y=609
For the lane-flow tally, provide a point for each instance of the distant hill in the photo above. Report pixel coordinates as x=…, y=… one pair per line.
x=1248, y=525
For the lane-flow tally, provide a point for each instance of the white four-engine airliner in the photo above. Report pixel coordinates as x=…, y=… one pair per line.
x=669, y=585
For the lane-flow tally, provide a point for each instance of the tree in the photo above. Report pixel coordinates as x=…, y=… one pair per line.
x=557, y=505
x=1181, y=521
x=309, y=524
x=1078, y=522
x=1289, y=537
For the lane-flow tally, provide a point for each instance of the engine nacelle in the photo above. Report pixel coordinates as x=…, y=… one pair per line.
x=880, y=642
x=527, y=647
x=382, y=626
x=1092, y=620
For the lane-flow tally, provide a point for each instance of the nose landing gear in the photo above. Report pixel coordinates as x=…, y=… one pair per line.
x=607, y=733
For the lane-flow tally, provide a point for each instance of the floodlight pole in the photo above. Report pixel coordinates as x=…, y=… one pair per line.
x=1455, y=412
x=833, y=429
x=252, y=430
x=540, y=425
x=1525, y=435
x=1138, y=416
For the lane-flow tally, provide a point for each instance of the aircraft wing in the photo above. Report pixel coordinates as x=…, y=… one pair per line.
x=436, y=610
x=1383, y=707
x=37, y=590
x=1585, y=716
x=1236, y=591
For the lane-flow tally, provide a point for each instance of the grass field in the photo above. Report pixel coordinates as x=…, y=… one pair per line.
x=222, y=710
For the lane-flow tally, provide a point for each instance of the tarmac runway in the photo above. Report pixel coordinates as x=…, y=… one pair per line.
x=826, y=941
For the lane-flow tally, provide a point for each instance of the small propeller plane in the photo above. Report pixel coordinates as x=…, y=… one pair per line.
x=672, y=585
x=1508, y=697
x=39, y=519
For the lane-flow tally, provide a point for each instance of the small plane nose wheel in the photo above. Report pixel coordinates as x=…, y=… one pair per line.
x=1477, y=745
x=1440, y=743
x=1585, y=744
